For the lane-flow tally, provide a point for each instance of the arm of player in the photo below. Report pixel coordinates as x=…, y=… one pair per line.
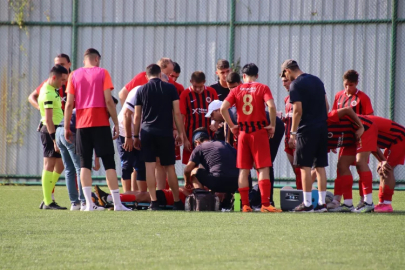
x=225, y=114
x=129, y=144
x=187, y=174
x=112, y=111
x=70, y=100
x=383, y=167
x=296, y=118
x=271, y=129
x=33, y=99
x=327, y=103
x=137, y=126
x=178, y=119
x=352, y=115
x=122, y=95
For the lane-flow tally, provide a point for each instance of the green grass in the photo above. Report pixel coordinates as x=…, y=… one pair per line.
x=35, y=239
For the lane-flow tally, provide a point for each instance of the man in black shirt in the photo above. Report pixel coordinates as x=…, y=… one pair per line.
x=218, y=159
x=221, y=87
x=309, y=132
x=157, y=102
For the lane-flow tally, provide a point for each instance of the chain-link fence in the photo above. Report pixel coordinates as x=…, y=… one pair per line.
x=325, y=37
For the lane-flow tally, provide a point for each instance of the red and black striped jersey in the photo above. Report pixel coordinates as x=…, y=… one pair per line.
x=194, y=107
x=359, y=102
x=288, y=118
x=389, y=132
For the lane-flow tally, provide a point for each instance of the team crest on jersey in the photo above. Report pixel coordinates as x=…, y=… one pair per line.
x=330, y=135
x=208, y=99
x=354, y=103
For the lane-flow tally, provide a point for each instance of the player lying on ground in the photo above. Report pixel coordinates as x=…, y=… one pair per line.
x=253, y=131
x=212, y=165
x=164, y=196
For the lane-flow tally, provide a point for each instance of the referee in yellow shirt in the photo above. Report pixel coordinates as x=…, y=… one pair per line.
x=50, y=107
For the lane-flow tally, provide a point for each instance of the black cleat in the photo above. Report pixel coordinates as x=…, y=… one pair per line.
x=178, y=206
x=41, y=206
x=154, y=206
x=321, y=208
x=303, y=208
x=102, y=196
x=53, y=206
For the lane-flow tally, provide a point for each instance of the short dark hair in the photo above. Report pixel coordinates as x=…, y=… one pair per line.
x=351, y=75
x=176, y=68
x=233, y=77
x=62, y=55
x=153, y=70
x=92, y=52
x=198, y=77
x=250, y=69
x=203, y=136
x=58, y=70
x=222, y=64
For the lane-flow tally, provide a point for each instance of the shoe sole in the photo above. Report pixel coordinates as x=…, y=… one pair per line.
x=321, y=211
x=100, y=202
x=267, y=211
x=310, y=211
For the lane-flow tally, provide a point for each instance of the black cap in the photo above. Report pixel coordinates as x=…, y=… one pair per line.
x=289, y=63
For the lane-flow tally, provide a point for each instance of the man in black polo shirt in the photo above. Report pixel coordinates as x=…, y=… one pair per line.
x=218, y=159
x=157, y=102
x=309, y=132
x=222, y=71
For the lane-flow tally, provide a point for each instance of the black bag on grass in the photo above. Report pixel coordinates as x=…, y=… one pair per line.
x=202, y=200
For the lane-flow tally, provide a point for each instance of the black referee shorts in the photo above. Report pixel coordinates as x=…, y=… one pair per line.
x=312, y=147
x=153, y=146
x=47, y=144
x=217, y=183
x=98, y=139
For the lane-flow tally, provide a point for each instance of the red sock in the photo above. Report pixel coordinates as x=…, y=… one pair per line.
x=347, y=185
x=127, y=197
x=366, y=179
x=244, y=195
x=265, y=187
x=298, y=180
x=388, y=192
x=380, y=194
x=338, y=191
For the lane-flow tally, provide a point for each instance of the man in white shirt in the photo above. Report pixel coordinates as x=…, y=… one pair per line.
x=130, y=157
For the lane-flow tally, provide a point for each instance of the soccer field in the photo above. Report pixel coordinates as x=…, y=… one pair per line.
x=39, y=239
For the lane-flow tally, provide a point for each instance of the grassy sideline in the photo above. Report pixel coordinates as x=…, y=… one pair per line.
x=35, y=239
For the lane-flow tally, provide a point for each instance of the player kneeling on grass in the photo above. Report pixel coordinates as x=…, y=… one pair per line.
x=164, y=197
x=218, y=170
x=391, y=138
x=253, y=133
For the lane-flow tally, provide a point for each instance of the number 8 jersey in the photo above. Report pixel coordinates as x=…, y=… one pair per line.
x=249, y=99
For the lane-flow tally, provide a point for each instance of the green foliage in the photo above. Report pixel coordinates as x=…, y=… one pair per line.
x=236, y=67
x=46, y=239
x=21, y=9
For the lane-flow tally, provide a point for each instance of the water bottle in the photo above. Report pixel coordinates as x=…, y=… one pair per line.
x=236, y=203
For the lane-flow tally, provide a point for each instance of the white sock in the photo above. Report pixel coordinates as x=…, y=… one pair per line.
x=87, y=196
x=368, y=198
x=322, y=196
x=109, y=198
x=115, y=194
x=53, y=196
x=348, y=202
x=307, y=198
x=387, y=202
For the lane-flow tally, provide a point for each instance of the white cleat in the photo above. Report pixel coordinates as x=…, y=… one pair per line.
x=94, y=208
x=75, y=207
x=121, y=207
x=82, y=206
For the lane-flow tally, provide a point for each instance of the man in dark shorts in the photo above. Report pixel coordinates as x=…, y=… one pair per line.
x=89, y=89
x=157, y=102
x=50, y=107
x=309, y=131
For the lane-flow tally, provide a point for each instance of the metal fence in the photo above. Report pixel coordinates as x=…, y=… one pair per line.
x=325, y=37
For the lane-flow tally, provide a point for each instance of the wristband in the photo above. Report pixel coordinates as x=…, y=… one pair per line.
x=136, y=136
x=129, y=137
x=52, y=135
x=293, y=133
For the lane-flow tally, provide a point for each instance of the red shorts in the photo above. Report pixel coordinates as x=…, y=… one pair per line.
x=395, y=155
x=177, y=152
x=169, y=196
x=253, y=147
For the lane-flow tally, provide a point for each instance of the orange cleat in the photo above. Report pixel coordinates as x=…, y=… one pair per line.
x=246, y=208
x=270, y=209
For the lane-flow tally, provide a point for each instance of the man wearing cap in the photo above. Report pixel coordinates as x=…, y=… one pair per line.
x=309, y=131
x=218, y=162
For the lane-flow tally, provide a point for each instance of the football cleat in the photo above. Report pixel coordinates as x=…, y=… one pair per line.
x=74, y=207
x=270, y=209
x=342, y=209
x=383, y=208
x=246, y=208
x=53, y=206
x=41, y=206
x=364, y=208
x=303, y=208
x=320, y=208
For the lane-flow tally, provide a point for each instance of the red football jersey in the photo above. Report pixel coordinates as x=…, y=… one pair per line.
x=194, y=107
x=389, y=132
x=288, y=118
x=141, y=79
x=62, y=93
x=359, y=101
x=250, y=99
